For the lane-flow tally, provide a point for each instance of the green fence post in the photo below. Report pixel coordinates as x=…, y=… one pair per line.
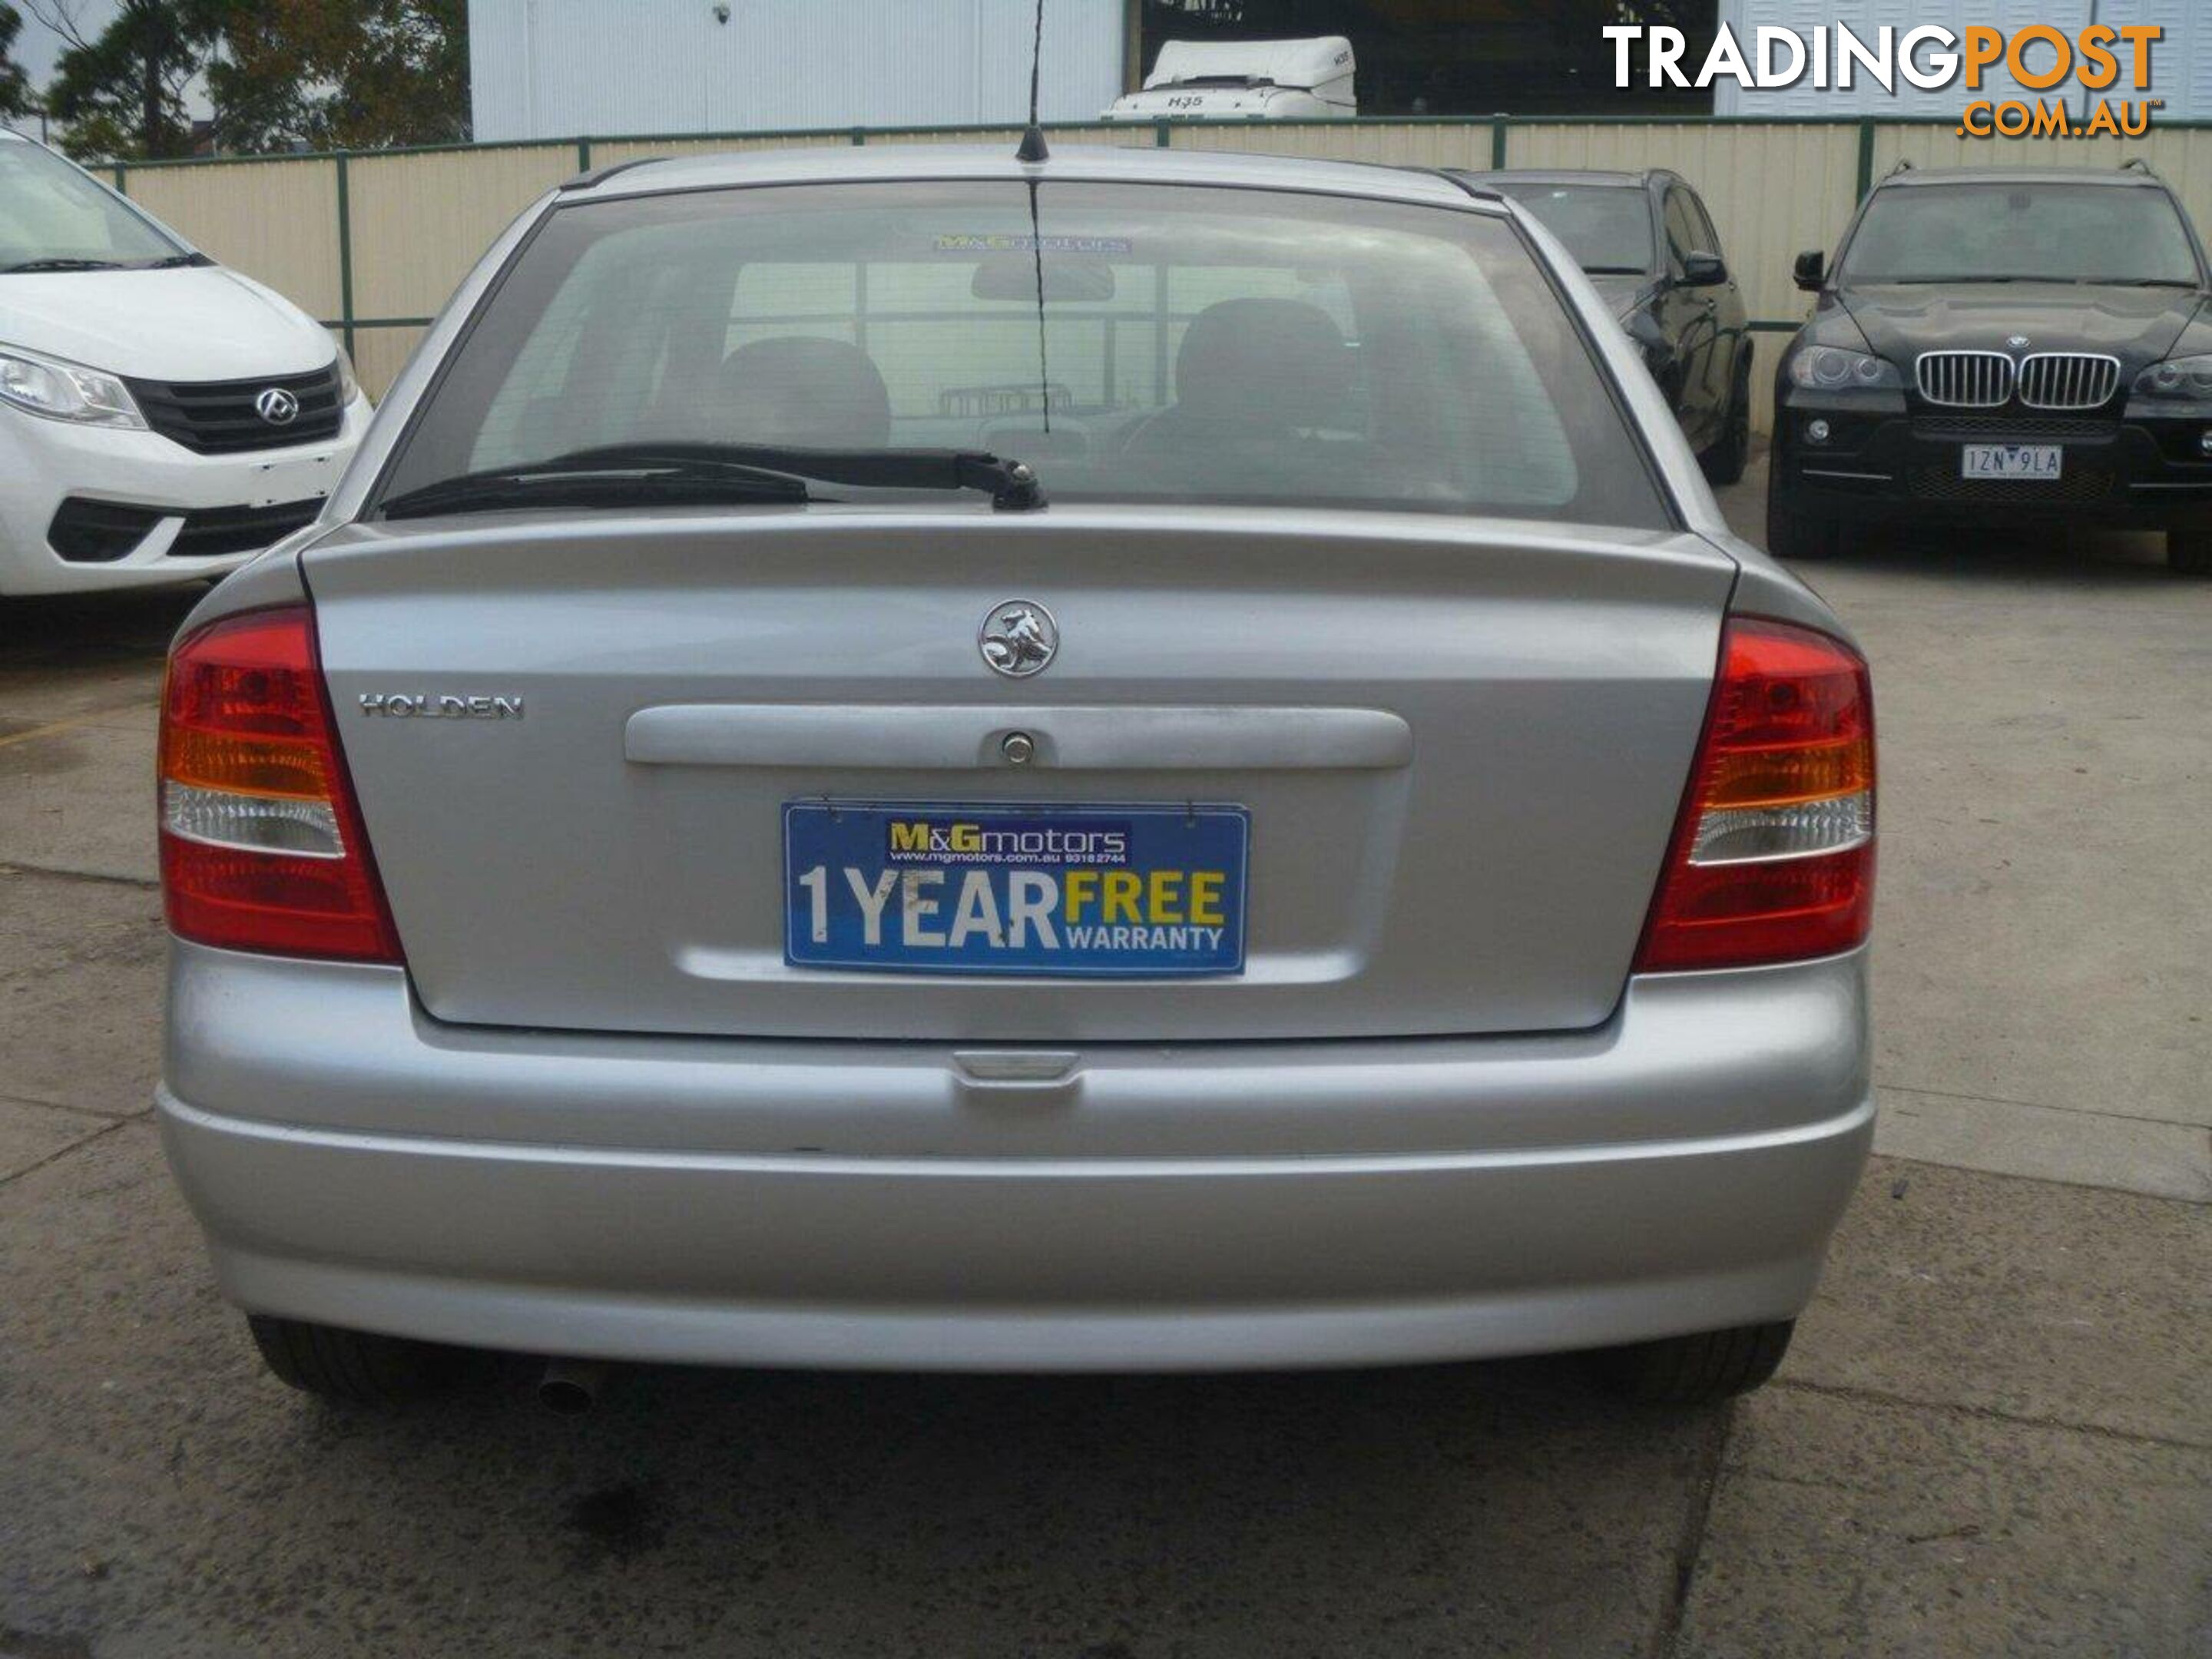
x=583, y=156
x=345, y=258
x=859, y=135
x=1160, y=139
x=1499, y=127
x=1866, y=160
x=122, y=174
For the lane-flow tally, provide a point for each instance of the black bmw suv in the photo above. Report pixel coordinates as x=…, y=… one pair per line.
x=2001, y=348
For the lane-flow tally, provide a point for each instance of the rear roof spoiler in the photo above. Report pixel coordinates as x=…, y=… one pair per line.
x=1459, y=180
x=600, y=175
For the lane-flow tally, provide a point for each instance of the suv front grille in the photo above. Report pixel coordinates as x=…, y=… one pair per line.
x=218, y=418
x=2014, y=428
x=1966, y=380
x=2068, y=380
x=2076, y=485
x=85, y=531
x=217, y=530
x=1989, y=379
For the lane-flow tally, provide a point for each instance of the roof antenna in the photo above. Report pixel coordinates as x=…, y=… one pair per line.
x=1032, y=151
x=1036, y=255
x=1033, y=148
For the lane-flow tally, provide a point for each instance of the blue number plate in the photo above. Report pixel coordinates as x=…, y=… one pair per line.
x=1077, y=891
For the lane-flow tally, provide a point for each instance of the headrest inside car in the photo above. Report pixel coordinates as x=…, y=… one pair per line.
x=821, y=394
x=1275, y=362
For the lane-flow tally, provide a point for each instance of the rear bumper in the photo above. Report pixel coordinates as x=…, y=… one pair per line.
x=877, y=1205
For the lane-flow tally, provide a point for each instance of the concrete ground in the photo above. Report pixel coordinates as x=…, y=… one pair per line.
x=1994, y=1435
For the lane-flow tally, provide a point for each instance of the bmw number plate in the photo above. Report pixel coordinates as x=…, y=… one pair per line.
x=2034, y=463
x=1075, y=890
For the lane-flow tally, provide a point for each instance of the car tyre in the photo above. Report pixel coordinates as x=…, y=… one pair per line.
x=353, y=1368
x=1725, y=461
x=1793, y=535
x=2189, y=549
x=1685, y=1370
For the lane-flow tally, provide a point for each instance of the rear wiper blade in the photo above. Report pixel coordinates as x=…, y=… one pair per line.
x=620, y=474
x=2136, y=281
x=60, y=265
x=1011, y=485
x=575, y=481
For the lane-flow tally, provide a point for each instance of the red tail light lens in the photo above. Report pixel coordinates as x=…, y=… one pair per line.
x=1772, y=859
x=262, y=845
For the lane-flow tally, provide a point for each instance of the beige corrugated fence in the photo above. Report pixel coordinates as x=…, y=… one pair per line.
x=374, y=243
x=276, y=220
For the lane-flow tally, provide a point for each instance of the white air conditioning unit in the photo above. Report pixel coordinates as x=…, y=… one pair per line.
x=1244, y=81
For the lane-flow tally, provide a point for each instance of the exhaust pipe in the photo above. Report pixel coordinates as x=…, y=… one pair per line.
x=571, y=1386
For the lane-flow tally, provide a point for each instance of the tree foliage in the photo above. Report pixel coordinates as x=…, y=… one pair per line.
x=342, y=74
x=121, y=92
x=278, y=74
x=14, y=85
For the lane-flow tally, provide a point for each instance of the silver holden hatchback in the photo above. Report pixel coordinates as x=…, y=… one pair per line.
x=898, y=758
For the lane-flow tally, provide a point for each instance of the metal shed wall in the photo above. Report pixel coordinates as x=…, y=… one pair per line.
x=547, y=68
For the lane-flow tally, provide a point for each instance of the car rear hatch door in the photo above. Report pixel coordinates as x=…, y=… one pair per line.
x=1456, y=748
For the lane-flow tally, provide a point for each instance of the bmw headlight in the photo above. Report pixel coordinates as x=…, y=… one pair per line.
x=2176, y=380
x=1832, y=369
x=64, y=391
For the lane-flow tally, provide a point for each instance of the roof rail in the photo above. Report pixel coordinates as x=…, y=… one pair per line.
x=600, y=175
x=1903, y=166
x=2136, y=164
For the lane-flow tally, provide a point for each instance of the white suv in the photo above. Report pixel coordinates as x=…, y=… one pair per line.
x=161, y=419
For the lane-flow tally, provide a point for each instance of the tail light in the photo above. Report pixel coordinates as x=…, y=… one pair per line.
x=262, y=845
x=1772, y=859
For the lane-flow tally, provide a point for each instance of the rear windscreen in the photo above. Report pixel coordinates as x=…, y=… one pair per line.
x=1133, y=343
x=1607, y=227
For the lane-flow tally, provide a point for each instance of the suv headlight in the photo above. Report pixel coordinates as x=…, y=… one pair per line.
x=2178, y=379
x=349, y=383
x=1832, y=369
x=64, y=391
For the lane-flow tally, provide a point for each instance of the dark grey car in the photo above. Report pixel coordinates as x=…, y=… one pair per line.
x=1647, y=242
